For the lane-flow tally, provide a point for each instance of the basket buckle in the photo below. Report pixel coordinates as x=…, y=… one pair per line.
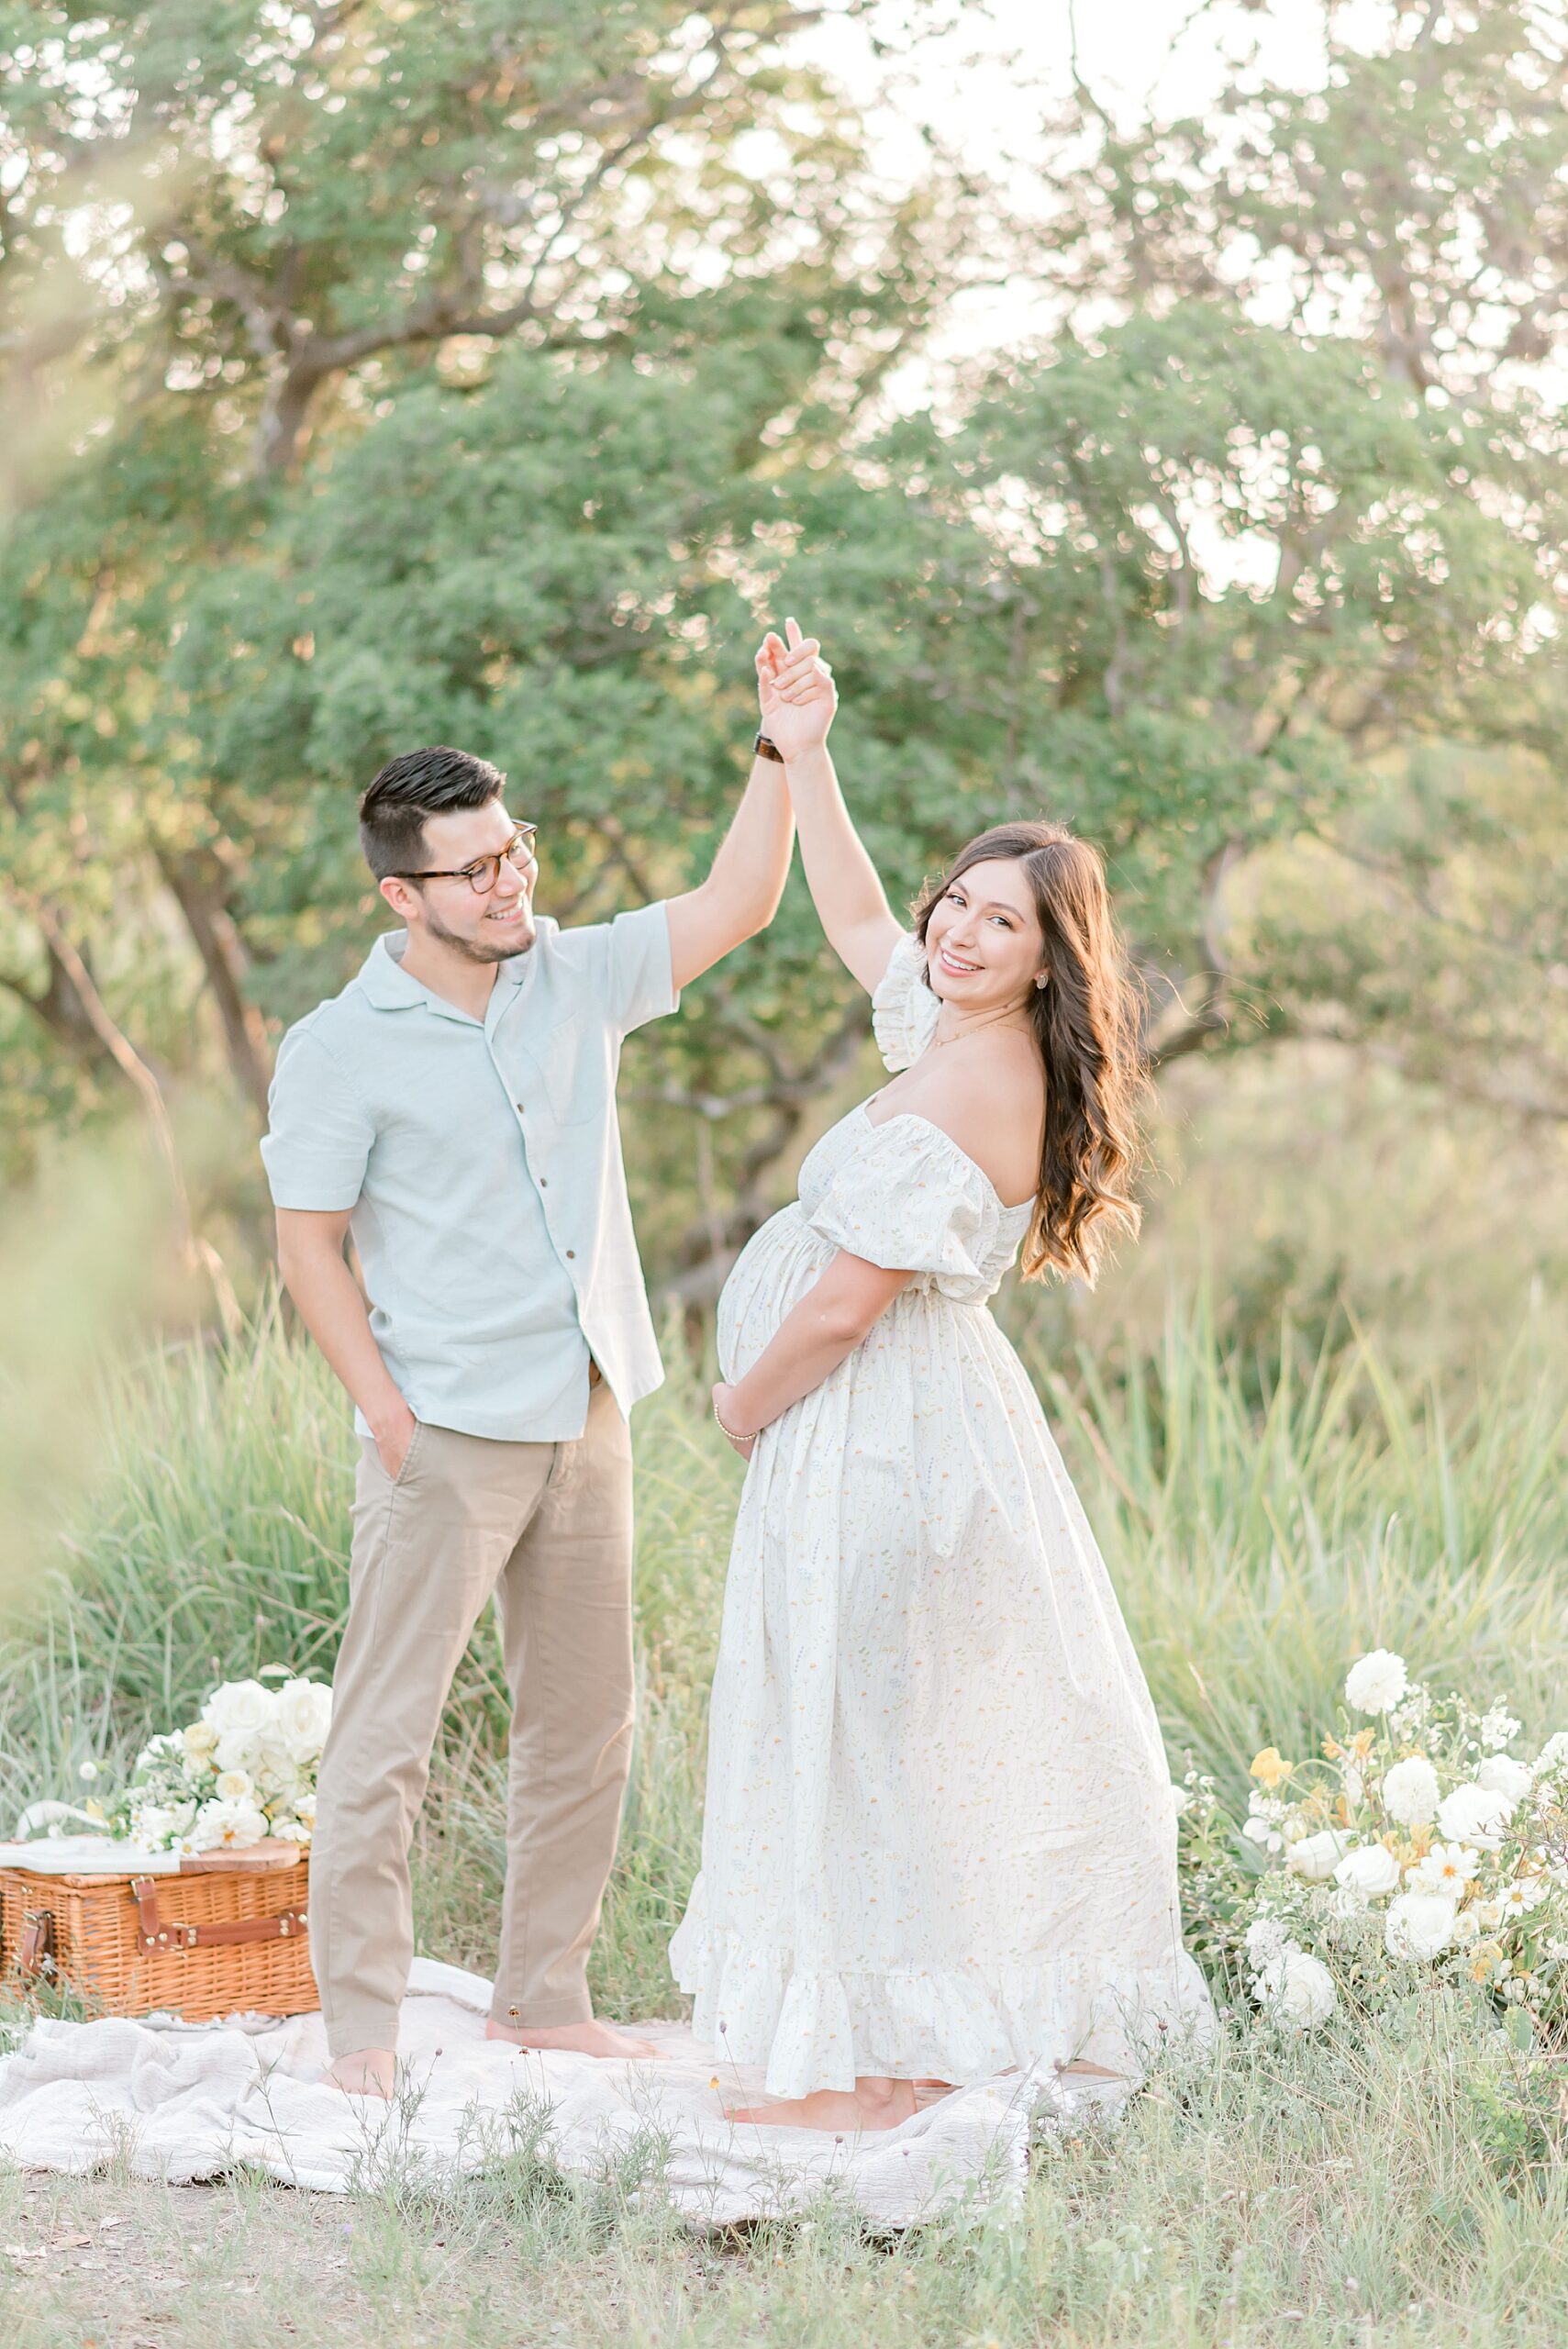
x=35, y=1950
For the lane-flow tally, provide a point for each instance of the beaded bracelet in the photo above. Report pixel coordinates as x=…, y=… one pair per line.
x=729, y=1432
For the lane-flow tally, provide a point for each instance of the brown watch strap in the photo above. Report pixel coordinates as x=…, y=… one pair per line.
x=765, y=748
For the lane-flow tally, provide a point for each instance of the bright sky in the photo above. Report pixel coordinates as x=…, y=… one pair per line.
x=986, y=77
x=981, y=83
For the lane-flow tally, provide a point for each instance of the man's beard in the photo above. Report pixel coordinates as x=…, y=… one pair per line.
x=501, y=950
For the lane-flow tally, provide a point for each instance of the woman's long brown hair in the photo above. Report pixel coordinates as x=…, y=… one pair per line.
x=1086, y=1024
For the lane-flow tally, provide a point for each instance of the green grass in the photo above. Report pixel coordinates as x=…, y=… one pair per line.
x=1263, y=1517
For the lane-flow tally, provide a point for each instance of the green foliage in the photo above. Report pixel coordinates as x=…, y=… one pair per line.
x=491, y=376
x=1254, y=1547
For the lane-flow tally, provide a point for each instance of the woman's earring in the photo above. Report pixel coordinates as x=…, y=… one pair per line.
x=1044, y=982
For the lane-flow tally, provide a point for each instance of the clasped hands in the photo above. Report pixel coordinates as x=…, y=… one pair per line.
x=796, y=692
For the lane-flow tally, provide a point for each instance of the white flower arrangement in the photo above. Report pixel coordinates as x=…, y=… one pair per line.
x=243, y=1770
x=1416, y=1848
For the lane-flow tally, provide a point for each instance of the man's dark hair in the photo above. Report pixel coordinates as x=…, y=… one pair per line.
x=438, y=782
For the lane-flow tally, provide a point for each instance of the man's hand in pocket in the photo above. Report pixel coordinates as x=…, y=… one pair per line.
x=393, y=1437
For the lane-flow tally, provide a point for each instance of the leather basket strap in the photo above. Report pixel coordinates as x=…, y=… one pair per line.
x=156, y=1937
x=35, y=1949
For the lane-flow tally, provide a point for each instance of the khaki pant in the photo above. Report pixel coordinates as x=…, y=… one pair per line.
x=546, y=1528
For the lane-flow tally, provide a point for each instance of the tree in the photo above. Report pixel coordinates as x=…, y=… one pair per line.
x=279, y=222
x=1202, y=578
x=1411, y=217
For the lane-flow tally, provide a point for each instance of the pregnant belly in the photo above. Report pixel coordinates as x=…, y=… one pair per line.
x=772, y=1273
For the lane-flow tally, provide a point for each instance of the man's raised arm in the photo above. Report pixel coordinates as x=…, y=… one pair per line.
x=746, y=881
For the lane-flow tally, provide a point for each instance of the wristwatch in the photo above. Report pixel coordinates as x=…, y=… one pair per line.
x=762, y=747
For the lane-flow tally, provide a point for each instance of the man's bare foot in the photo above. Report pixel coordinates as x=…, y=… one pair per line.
x=870, y=2104
x=369, y=2071
x=590, y=2038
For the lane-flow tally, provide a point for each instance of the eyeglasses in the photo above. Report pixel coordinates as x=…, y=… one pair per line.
x=486, y=871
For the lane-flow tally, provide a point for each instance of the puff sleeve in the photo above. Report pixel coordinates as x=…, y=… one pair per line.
x=909, y=1199
x=904, y=1010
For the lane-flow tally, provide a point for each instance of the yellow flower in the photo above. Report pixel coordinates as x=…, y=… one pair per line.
x=1332, y=1748
x=1268, y=1767
x=1362, y=1743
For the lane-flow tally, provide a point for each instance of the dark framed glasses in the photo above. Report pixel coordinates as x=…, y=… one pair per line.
x=486, y=871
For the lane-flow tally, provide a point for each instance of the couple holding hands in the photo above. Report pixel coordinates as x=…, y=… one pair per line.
x=939, y=1839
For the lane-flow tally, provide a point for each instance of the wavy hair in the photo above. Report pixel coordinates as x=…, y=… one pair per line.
x=1086, y=1024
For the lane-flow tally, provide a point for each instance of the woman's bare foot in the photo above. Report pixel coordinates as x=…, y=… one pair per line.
x=1085, y=2072
x=369, y=2071
x=932, y=2092
x=870, y=2104
x=590, y=2038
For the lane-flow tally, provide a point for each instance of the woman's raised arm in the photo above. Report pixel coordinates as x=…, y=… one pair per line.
x=796, y=690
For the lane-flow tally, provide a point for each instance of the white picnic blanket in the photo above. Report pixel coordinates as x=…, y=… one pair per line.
x=188, y=2101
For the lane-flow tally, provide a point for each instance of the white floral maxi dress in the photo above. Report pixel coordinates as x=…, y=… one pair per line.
x=939, y=1837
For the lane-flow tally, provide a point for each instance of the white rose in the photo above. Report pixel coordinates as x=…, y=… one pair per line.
x=239, y=1708
x=226, y=1826
x=304, y=1809
x=1474, y=1815
x=1553, y=1752
x=1372, y=1870
x=1316, y=1856
x=232, y=1786
x=1376, y=1683
x=1410, y=1791
x=1466, y=1927
x=1266, y=1939
x=1418, y=1925
x=199, y=1740
x=1296, y=1988
x=305, y=1712
x=277, y=1775
x=1501, y=1775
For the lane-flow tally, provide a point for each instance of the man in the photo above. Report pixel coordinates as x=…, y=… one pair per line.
x=454, y=1110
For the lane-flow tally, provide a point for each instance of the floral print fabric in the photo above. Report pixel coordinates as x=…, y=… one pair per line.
x=939, y=1838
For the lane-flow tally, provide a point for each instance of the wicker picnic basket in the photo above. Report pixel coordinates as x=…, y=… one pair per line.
x=225, y=1935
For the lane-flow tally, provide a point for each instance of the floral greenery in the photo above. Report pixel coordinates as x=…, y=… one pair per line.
x=1416, y=1846
x=243, y=1770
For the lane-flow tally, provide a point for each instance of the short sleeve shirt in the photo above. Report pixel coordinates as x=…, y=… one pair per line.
x=481, y=1162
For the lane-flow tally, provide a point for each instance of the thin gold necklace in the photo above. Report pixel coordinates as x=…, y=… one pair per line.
x=974, y=1030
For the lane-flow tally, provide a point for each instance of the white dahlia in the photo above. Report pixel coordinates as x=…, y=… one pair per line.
x=1376, y=1683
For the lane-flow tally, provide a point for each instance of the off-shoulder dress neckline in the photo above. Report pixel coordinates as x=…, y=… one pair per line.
x=915, y=1118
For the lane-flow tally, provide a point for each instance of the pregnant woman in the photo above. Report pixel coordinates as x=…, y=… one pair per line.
x=939, y=1840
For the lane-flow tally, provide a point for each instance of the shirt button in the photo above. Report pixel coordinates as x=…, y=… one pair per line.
x=544, y=1182
x=571, y=1252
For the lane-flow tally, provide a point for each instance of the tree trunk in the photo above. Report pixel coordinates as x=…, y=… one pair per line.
x=198, y=885
x=709, y=1245
x=60, y=1009
x=197, y=1252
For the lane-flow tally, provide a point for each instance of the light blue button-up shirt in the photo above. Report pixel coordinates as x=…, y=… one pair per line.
x=481, y=1159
